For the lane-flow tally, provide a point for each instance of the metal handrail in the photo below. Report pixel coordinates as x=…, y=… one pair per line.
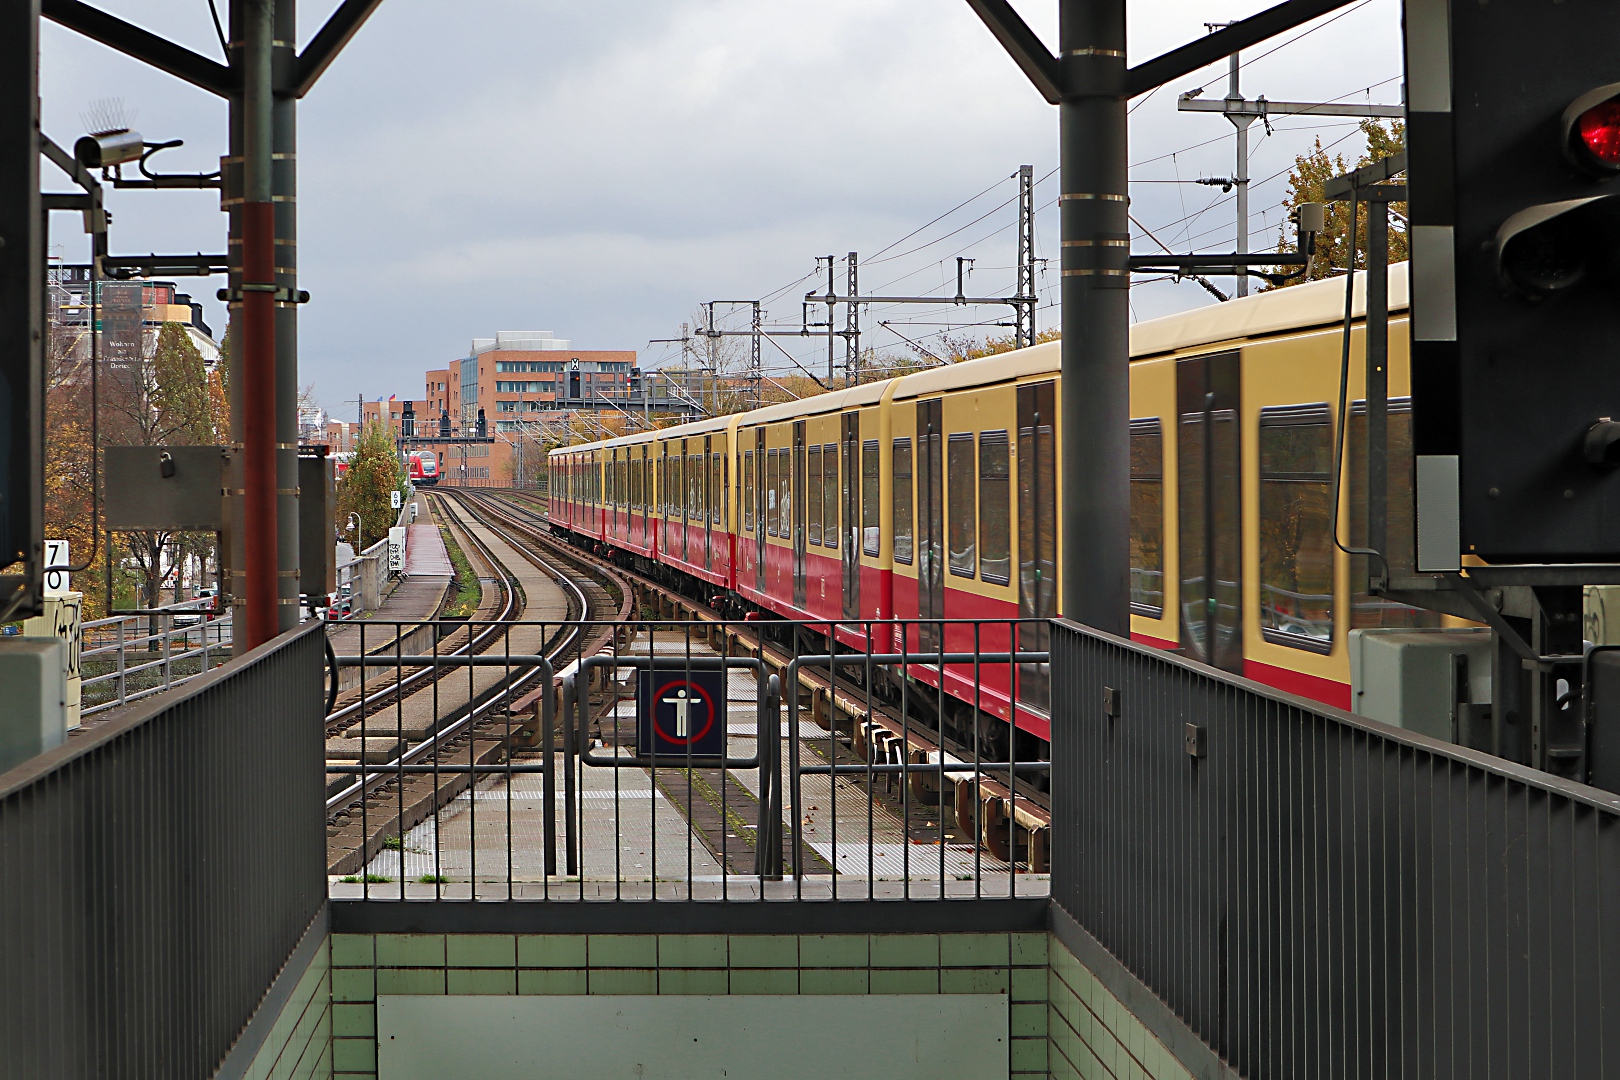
x=215, y=640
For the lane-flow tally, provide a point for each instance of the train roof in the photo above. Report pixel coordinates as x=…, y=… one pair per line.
x=864, y=394
x=1301, y=307
x=679, y=431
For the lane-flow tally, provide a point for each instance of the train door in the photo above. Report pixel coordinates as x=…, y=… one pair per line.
x=646, y=491
x=798, y=486
x=930, y=520
x=1037, y=534
x=851, y=554
x=615, y=494
x=683, y=493
x=760, y=476
x=1209, y=464
x=711, y=495
x=666, y=507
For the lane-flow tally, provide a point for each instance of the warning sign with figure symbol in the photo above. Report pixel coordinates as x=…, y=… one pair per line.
x=680, y=712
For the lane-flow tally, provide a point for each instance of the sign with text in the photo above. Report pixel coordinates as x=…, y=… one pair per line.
x=396, y=550
x=56, y=581
x=679, y=711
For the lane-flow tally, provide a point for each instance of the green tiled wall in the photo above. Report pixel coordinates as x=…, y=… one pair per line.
x=1094, y=1036
x=299, y=1046
x=366, y=965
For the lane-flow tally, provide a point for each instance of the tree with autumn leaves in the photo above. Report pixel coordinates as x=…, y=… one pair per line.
x=168, y=399
x=1305, y=182
x=373, y=473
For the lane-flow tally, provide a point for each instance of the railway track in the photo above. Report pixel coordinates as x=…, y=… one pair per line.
x=378, y=800
x=878, y=730
x=463, y=641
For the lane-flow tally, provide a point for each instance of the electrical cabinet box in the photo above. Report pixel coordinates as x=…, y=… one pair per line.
x=33, y=671
x=316, y=500
x=1436, y=682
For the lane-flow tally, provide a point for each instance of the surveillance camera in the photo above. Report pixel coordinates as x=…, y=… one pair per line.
x=109, y=148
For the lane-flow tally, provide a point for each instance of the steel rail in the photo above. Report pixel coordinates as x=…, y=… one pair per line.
x=404, y=683
x=527, y=506
x=384, y=771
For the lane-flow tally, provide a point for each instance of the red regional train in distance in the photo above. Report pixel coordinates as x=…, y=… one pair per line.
x=934, y=495
x=424, y=467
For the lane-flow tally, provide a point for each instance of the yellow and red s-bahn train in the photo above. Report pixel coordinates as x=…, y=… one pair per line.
x=934, y=495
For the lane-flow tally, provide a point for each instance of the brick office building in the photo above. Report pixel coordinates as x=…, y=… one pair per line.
x=512, y=377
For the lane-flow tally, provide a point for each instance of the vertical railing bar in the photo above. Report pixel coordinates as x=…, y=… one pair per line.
x=399, y=733
x=1012, y=796
x=510, y=690
x=725, y=750
x=472, y=781
x=365, y=778
x=584, y=695
x=871, y=777
x=438, y=816
x=167, y=622
x=790, y=695
x=548, y=783
x=691, y=830
x=978, y=868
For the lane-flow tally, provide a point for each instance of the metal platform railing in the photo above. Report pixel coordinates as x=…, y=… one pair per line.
x=1315, y=894
x=131, y=656
x=683, y=760
x=158, y=871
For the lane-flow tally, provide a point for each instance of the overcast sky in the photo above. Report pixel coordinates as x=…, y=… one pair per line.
x=600, y=169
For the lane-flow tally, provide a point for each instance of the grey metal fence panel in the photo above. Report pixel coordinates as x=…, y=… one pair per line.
x=1324, y=896
x=156, y=872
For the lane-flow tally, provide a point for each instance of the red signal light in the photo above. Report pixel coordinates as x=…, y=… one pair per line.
x=1591, y=127
x=1599, y=129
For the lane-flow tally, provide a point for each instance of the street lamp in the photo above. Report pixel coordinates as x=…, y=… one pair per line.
x=354, y=526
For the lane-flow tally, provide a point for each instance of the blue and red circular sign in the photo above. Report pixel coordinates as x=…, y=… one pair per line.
x=681, y=713
x=689, y=691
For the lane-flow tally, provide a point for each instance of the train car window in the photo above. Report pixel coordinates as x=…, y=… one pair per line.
x=812, y=504
x=725, y=492
x=829, y=495
x=1296, y=521
x=962, y=519
x=748, y=490
x=870, y=491
x=773, y=488
x=901, y=468
x=995, y=508
x=1147, y=517
x=1367, y=610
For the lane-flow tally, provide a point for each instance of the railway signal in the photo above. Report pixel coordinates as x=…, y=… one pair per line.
x=1515, y=239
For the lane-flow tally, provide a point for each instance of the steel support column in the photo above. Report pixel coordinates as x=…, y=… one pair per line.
x=253, y=345
x=1095, y=407
x=283, y=194
x=22, y=283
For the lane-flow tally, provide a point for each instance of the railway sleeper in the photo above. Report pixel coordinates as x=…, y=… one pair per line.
x=1031, y=830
